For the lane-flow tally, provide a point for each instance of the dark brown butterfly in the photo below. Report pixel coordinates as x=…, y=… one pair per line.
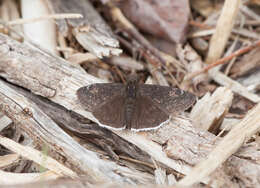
x=133, y=106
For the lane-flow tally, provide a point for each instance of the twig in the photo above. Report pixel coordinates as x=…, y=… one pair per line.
x=200, y=25
x=45, y=17
x=223, y=60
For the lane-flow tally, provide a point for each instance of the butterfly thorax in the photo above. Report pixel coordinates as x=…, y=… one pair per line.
x=130, y=102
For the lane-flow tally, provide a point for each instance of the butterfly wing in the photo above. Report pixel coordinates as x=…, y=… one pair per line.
x=95, y=95
x=173, y=100
x=147, y=115
x=111, y=113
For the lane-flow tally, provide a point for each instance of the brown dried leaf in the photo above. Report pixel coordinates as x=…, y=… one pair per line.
x=165, y=19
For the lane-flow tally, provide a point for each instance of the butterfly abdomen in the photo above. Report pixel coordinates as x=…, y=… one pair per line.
x=129, y=111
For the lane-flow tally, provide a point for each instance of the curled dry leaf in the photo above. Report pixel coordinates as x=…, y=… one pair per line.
x=165, y=19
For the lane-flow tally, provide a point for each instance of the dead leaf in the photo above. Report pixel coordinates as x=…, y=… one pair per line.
x=166, y=19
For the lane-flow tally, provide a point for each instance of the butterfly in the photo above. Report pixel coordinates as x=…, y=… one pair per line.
x=134, y=106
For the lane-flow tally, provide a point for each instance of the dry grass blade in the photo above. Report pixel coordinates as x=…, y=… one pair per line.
x=235, y=86
x=223, y=30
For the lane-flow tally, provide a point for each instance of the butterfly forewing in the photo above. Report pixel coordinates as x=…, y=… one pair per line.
x=147, y=115
x=171, y=99
x=111, y=113
x=95, y=95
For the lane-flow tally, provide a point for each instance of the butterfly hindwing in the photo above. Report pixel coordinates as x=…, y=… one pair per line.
x=147, y=115
x=171, y=99
x=111, y=113
x=94, y=95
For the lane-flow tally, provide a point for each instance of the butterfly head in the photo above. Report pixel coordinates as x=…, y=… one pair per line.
x=132, y=79
x=131, y=86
